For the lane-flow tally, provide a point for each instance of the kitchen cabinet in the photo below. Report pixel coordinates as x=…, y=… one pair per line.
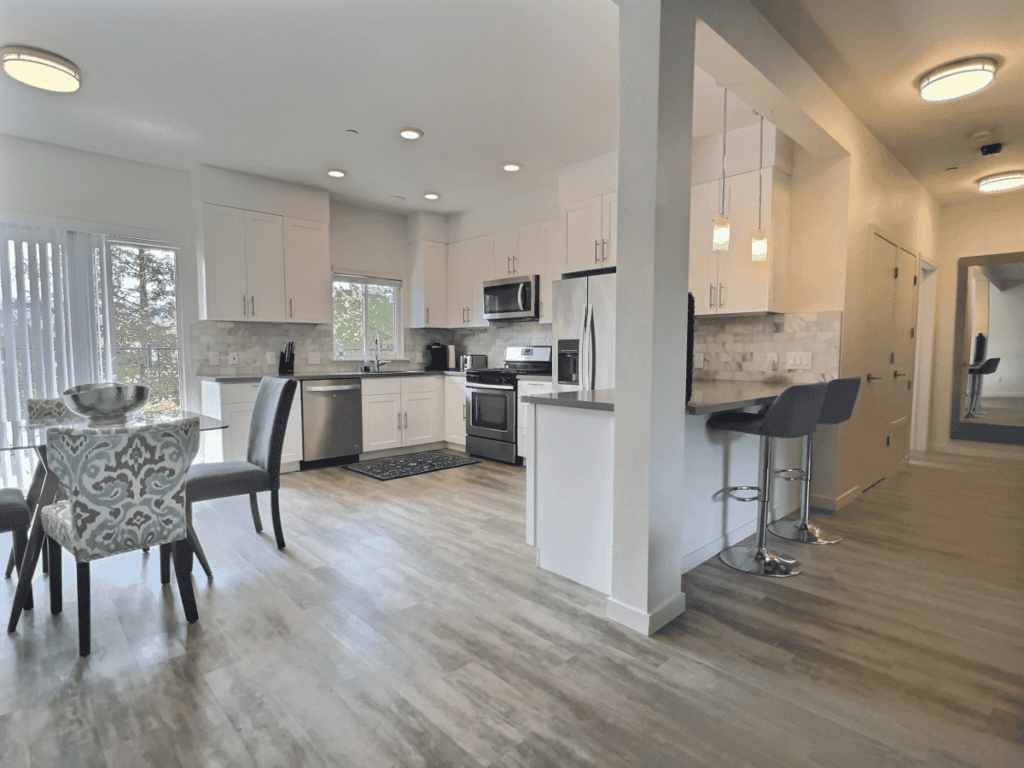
x=527, y=387
x=307, y=274
x=460, y=296
x=591, y=233
x=456, y=409
x=401, y=411
x=233, y=404
x=263, y=267
x=428, y=284
x=730, y=282
x=519, y=252
x=481, y=265
x=553, y=240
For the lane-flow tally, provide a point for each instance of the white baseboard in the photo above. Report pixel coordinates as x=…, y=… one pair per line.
x=646, y=623
x=289, y=466
x=835, y=504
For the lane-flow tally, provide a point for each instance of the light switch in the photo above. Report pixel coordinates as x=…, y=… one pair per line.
x=271, y=358
x=214, y=358
x=698, y=359
x=232, y=358
x=314, y=358
x=773, y=361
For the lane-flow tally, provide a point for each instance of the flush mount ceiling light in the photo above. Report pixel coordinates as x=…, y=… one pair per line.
x=40, y=69
x=432, y=196
x=511, y=167
x=410, y=133
x=720, y=232
x=957, y=79
x=1001, y=182
x=335, y=173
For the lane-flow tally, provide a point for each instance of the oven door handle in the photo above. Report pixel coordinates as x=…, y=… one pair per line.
x=505, y=387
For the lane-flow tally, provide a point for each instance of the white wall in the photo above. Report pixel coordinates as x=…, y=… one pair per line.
x=366, y=241
x=742, y=151
x=988, y=224
x=519, y=211
x=1006, y=341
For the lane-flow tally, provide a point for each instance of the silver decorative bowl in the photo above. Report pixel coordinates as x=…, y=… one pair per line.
x=108, y=403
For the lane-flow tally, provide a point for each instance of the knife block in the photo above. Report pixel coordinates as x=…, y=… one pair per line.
x=286, y=365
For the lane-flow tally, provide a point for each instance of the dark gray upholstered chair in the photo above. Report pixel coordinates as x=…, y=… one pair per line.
x=262, y=469
x=14, y=518
x=840, y=398
x=794, y=413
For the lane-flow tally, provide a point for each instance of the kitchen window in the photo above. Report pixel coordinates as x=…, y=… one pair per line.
x=365, y=308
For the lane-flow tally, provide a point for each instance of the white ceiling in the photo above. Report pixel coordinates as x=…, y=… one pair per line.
x=872, y=53
x=272, y=87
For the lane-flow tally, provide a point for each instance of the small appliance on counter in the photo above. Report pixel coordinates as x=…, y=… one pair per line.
x=453, y=359
x=286, y=364
x=436, y=357
x=472, y=362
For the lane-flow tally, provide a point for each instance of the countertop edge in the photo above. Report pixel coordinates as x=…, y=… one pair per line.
x=553, y=399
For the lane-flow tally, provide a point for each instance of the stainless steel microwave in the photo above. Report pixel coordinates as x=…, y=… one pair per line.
x=512, y=298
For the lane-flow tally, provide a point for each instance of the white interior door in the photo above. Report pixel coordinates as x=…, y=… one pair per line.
x=923, y=363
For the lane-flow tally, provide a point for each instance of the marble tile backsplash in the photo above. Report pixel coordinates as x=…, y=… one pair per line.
x=737, y=348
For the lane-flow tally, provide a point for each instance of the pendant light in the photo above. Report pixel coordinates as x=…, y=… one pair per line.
x=720, y=233
x=759, y=240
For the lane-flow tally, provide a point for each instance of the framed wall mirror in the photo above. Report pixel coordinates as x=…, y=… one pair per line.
x=988, y=352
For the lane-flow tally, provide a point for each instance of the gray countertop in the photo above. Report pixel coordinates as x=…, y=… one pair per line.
x=712, y=396
x=595, y=400
x=254, y=378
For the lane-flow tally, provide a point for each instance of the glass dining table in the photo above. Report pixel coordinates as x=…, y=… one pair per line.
x=25, y=435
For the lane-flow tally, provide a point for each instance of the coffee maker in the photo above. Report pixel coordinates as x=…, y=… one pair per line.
x=436, y=357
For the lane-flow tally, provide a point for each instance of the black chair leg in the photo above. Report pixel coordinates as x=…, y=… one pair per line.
x=84, y=615
x=183, y=571
x=18, y=554
x=275, y=512
x=255, y=506
x=56, y=577
x=46, y=560
x=165, y=563
x=198, y=548
x=10, y=564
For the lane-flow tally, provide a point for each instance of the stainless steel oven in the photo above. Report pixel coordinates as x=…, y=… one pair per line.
x=491, y=426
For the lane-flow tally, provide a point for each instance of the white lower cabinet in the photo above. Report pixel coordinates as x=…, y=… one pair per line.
x=233, y=403
x=527, y=388
x=401, y=411
x=456, y=409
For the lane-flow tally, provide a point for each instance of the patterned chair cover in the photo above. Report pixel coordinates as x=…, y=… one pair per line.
x=125, y=486
x=50, y=410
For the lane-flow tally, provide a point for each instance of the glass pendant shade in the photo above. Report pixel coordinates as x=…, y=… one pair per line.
x=759, y=246
x=720, y=234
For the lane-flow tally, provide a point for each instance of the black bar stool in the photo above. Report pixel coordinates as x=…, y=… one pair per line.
x=975, y=376
x=840, y=397
x=793, y=414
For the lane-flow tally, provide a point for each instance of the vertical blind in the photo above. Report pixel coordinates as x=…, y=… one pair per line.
x=50, y=330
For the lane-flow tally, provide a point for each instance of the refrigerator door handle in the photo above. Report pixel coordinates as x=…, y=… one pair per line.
x=592, y=350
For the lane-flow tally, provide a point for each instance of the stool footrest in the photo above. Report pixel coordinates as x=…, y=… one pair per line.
x=731, y=492
x=791, y=473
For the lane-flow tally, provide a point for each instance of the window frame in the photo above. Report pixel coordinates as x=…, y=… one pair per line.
x=399, y=324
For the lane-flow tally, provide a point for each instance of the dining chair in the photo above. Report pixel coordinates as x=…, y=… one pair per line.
x=125, y=490
x=14, y=518
x=261, y=471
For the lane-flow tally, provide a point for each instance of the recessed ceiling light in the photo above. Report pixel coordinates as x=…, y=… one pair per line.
x=956, y=79
x=336, y=173
x=410, y=133
x=351, y=130
x=953, y=168
x=396, y=198
x=40, y=69
x=432, y=196
x=1001, y=182
x=511, y=167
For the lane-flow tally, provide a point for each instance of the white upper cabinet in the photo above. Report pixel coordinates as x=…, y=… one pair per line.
x=481, y=265
x=428, y=284
x=553, y=239
x=519, y=252
x=731, y=282
x=460, y=298
x=590, y=233
x=307, y=273
x=263, y=267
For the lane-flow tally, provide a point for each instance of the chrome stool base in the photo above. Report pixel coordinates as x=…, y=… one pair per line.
x=805, y=533
x=761, y=562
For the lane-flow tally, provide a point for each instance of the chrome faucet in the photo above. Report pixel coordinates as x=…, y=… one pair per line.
x=374, y=364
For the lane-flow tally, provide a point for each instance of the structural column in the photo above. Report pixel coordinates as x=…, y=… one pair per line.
x=656, y=60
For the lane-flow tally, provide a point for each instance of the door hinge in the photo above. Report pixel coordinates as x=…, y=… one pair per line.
x=892, y=358
x=915, y=279
x=911, y=333
x=887, y=441
x=908, y=386
x=896, y=272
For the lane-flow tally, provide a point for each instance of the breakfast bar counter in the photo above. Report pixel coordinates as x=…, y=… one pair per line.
x=713, y=396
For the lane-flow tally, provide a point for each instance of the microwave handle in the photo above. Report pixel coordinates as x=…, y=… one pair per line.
x=522, y=287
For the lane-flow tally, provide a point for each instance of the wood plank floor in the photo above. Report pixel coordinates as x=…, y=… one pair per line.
x=405, y=625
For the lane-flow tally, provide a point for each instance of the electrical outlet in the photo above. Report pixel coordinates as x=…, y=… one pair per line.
x=271, y=358
x=214, y=358
x=232, y=358
x=772, y=359
x=698, y=359
x=314, y=358
x=798, y=361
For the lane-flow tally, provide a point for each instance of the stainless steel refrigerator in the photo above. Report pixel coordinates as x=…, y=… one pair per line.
x=583, y=326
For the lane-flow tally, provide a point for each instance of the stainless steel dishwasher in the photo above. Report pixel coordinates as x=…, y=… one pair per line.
x=332, y=419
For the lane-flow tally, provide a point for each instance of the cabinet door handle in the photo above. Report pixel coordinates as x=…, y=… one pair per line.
x=711, y=296
x=515, y=267
x=291, y=313
x=399, y=419
x=245, y=307
x=721, y=295
x=253, y=299
x=596, y=260
x=604, y=250
x=508, y=265
x=406, y=419
x=428, y=314
x=463, y=411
